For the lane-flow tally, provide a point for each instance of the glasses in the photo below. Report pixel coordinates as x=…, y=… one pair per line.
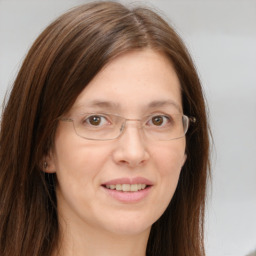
x=102, y=126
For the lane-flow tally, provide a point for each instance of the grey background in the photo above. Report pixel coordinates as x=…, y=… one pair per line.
x=221, y=36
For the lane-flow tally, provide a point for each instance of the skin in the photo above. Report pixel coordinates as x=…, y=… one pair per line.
x=91, y=221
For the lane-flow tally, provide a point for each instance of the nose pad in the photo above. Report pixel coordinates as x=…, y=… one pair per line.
x=122, y=127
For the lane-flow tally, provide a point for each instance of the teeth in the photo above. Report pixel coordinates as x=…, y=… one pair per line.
x=134, y=187
x=127, y=187
x=119, y=187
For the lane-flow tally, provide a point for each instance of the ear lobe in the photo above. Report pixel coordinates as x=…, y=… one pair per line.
x=48, y=164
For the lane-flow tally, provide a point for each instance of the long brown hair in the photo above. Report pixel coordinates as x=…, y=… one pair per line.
x=61, y=62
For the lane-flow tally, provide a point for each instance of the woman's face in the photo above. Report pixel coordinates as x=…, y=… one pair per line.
x=134, y=85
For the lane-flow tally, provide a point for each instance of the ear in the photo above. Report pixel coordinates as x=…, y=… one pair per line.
x=48, y=163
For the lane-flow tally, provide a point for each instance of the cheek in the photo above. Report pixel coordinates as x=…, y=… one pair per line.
x=170, y=158
x=169, y=173
x=78, y=162
x=169, y=161
x=78, y=168
x=81, y=160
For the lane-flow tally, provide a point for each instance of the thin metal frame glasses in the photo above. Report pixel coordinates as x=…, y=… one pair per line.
x=104, y=126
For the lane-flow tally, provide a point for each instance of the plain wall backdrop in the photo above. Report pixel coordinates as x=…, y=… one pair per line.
x=221, y=37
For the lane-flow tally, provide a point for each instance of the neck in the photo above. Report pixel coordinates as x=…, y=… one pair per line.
x=88, y=240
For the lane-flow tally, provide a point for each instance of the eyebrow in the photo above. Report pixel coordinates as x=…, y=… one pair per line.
x=112, y=105
x=164, y=103
x=100, y=104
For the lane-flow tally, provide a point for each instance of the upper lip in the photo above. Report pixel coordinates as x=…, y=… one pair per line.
x=127, y=180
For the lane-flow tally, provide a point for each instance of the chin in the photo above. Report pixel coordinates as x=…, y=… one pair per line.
x=131, y=230
x=130, y=224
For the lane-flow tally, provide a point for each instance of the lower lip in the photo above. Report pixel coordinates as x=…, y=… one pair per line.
x=128, y=197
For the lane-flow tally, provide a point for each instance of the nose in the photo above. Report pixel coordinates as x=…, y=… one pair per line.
x=131, y=149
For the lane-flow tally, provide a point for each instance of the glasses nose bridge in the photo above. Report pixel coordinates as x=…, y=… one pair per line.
x=134, y=120
x=138, y=123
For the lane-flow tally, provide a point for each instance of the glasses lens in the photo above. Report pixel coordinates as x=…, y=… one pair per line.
x=98, y=126
x=94, y=126
x=166, y=127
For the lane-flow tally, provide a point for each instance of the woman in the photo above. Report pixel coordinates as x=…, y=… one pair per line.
x=94, y=157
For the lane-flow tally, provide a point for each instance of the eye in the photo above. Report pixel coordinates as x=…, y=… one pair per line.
x=96, y=120
x=159, y=120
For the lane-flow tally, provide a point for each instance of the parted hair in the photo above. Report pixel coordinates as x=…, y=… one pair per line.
x=62, y=61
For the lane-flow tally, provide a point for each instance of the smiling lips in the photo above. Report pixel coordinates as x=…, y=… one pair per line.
x=128, y=189
x=128, y=184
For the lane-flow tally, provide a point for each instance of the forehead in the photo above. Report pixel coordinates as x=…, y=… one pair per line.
x=132, y=81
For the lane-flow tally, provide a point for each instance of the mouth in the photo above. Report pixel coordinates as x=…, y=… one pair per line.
x=128, y=190
x=127, y=187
